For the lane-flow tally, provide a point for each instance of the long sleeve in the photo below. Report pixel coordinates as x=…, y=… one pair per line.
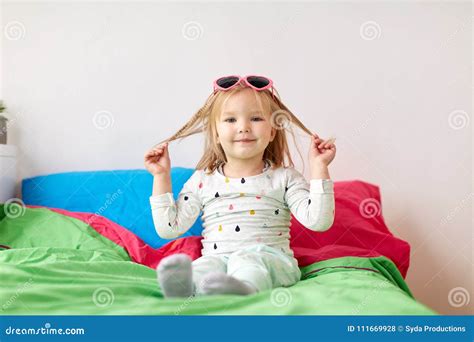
x=312, y=204
x=174, y=218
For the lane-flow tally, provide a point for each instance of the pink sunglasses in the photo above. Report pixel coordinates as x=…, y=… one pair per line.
x=258, y=83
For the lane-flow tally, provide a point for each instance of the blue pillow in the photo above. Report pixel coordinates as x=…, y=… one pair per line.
x=120, y=195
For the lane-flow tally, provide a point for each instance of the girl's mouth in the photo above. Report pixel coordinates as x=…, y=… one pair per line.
x=245, y=140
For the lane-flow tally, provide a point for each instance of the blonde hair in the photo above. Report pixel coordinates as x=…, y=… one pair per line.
x=204, y=120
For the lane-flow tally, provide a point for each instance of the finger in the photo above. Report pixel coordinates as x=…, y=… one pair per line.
x=156, y=159
x=156, y=153
x=150, y=154
x=160, y=146
x=152, y=159
x=324, y=143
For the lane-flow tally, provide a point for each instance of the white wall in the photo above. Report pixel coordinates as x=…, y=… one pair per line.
x=391, y=101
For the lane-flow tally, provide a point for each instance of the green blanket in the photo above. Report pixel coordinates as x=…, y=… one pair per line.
x=58, y=265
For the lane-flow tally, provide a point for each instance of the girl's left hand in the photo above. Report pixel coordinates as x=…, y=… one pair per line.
x=322, y=152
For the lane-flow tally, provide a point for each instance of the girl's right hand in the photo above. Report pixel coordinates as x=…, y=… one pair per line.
x=157, y=160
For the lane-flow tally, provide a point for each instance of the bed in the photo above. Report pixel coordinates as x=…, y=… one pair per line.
x=83, y=243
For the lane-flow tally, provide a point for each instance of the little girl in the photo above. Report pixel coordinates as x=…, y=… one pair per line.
x=245, y=191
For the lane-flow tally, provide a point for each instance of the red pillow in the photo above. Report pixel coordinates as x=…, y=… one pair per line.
x=358, y=230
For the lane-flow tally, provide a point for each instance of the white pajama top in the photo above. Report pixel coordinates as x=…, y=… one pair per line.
x=240, y=212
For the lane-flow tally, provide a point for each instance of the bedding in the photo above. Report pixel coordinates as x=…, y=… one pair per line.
x=58, y=262
x=122, y=196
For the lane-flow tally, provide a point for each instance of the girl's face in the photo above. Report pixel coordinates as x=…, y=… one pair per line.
x=243, y=128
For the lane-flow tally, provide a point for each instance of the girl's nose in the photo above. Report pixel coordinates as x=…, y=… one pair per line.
x=244, y=126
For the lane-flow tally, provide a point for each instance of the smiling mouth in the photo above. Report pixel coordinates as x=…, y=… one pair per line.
x=245, y=141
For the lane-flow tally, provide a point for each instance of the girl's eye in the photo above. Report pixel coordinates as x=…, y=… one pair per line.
x=233, y=119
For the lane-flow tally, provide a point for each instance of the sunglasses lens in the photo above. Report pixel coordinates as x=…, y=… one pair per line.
x=258, y=82
x=227, y=82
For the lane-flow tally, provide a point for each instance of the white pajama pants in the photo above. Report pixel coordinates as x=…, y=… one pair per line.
x=262, y=266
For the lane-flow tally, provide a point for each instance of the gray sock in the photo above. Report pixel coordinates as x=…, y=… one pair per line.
x=221, y=283
x=175, y=276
